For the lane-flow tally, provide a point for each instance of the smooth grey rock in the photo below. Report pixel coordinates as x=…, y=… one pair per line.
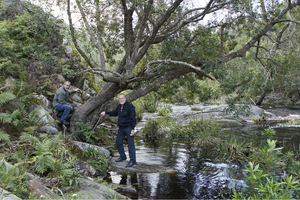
x=85, y=146
x=92, y=190
x=5, y=195
x=48, y=129
x=45, y=118
x=44, y=101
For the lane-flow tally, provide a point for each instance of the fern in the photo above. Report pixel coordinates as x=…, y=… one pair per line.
x=20, y=155
x=6, y=97
x=34, y=141
x=44, y=161
x=5, y=118
x=4, y=136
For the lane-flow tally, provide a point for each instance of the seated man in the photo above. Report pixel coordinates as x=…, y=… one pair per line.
x=61, y=102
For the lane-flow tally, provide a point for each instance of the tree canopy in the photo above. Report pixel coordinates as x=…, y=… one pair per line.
x=140, y=45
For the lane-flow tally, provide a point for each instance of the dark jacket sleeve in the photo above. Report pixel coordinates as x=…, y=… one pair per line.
x=112, y=113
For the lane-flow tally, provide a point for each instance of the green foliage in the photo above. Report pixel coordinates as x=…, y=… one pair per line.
x=151, y=128
x=268, y=133
x=270, y=156
x=150, y=103
x=4, y=136
x=237, y=110
x=96, y=159
x=15, y=117
x=41, y=153
x=189, y=89
x=139, y=109
x=195, y=109
x=6, y=97
x=200, y=132
x=235, y=150
x=27, y=37
x=70, y=179
x=12, y=180
x=8, y=179
x=165, y=111
x=263, y=180
x=46, y=156
x=85, y=134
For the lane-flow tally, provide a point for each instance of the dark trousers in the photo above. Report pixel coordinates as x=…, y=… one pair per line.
x=65, y=109
x=119, y=142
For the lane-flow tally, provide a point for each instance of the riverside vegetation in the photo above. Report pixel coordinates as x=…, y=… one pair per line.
x=31, y=51
x=270, y=173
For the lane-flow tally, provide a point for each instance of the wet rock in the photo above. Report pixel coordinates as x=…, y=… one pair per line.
x=126, y=189
x=139, y=167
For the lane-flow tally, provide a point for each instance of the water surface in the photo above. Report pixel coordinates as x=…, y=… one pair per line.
x=202, y=173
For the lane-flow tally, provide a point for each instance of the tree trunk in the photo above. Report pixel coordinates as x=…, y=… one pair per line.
x=89, y=112
x=262, y=96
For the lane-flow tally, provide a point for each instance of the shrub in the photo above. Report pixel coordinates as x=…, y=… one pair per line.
x=263, y=179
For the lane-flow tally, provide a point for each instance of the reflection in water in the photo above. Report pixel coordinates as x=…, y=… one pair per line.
x=199, y=173
x=202, y=173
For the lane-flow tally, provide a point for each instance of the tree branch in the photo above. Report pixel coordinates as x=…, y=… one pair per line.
x=142, y=25
x=72, y=29
x=243, y=50
x=100, y=46
x=155, y=30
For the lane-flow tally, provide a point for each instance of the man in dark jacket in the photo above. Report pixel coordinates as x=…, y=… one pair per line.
x=126, y=122
x=61, y=102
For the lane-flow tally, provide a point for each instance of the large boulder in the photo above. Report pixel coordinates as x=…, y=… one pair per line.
x=185, y=113
x=45, y=118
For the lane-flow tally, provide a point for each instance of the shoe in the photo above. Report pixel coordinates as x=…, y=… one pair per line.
x=130, y=164
x=120, y=159
x=56, y=114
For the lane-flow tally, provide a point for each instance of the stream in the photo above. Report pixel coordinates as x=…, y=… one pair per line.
x=201, y=173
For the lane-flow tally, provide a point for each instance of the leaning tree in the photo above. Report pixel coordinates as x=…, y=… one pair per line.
x=128, y=29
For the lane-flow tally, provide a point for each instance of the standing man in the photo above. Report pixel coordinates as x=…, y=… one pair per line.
x=61, y=102
x=126, y=122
